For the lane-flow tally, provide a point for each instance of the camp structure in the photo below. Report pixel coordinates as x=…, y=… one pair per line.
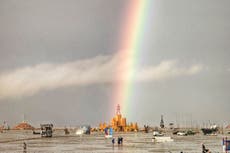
x=23, y=126
x=46, y=130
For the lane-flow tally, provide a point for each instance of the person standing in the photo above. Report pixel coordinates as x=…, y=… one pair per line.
x=204, y=150
x=24, y=147
x=113, y=141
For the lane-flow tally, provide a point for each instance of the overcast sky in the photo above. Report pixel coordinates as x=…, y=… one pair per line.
x=58, y=59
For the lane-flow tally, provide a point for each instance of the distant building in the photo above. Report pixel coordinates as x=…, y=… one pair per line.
x=118, y=123
x=162, y=125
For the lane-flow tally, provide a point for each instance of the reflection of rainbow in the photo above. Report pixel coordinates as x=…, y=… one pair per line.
x=131, y=40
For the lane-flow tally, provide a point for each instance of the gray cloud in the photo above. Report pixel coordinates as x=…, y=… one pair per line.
x=167, y=69
x=30, y=80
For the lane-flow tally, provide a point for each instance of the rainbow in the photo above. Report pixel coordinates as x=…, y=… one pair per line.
x=130, y=44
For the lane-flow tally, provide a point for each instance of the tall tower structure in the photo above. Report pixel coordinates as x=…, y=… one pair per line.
x=162, y=122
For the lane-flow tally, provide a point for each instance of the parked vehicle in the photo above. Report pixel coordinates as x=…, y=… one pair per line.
x=181, y=134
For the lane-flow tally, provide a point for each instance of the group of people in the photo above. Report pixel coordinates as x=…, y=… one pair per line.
x=119, y=140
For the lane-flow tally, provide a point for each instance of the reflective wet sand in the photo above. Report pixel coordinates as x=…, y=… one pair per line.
x=96, y=143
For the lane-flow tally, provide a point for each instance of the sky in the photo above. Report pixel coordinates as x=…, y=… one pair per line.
x=58, y=60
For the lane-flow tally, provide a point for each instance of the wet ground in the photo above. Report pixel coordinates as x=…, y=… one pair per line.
x=96, y=143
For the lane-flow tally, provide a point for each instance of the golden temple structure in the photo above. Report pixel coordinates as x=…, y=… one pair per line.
x=118, y=123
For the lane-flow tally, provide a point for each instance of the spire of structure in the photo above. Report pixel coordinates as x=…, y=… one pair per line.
x=24, y=118
x=118, y=110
